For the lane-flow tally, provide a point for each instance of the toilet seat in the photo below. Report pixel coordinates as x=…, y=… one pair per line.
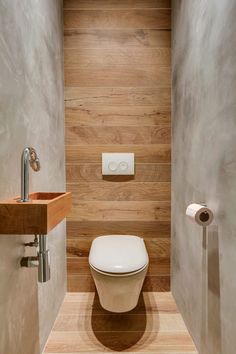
x=119, y=274
x=118, y=255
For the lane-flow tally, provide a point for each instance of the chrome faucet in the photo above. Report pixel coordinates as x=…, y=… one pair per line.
x=42, y=260
x=28, y=157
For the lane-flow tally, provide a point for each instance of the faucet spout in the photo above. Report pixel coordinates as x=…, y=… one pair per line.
x=28, y=157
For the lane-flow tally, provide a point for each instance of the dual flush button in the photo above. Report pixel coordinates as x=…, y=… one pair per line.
x=118, y=164
x=114, y=166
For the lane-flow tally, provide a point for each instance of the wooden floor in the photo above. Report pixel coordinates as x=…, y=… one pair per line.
x=154, y=326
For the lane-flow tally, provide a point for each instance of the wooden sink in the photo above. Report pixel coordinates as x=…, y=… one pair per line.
x=38, y=216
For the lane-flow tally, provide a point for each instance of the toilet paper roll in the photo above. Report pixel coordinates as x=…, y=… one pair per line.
x=200, y=214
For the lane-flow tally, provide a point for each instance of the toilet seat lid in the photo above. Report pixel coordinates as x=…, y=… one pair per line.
x=118, y=253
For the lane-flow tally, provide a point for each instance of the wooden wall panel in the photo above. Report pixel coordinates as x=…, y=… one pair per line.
x=145, y=153
x=78, y=135
x=145, y=229
x=157, y=248
x=88, y=172
x=146, y=99
x=117, y=99
x=120, y=191
x=89, y=38
x=74, y=58
x=116, y=115
x=116, y=19
x=120, y=210
x=118, y=75
x=116, y=4
x=80, y=265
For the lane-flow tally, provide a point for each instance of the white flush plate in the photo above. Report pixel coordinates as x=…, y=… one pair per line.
x=117, y=163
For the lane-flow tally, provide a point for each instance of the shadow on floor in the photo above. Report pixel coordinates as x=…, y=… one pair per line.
x=211, y=310
x=119, y=331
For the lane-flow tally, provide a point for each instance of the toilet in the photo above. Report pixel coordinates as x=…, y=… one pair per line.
x=118, y=264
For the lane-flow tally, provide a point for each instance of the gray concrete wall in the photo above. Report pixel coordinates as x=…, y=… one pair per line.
x=204, y=169
x=31, y=114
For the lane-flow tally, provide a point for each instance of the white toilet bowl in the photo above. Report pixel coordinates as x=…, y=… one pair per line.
x=118, y=265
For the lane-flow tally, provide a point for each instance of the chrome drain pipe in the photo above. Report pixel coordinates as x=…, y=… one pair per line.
x=42, y=260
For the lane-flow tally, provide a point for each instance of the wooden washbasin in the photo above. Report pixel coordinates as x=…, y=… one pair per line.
x=38, y=216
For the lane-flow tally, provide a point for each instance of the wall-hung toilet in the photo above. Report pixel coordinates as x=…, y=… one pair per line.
x=118, y=264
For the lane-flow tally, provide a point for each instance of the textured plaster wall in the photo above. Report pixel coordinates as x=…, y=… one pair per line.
x=204, y=169
x=31, y=114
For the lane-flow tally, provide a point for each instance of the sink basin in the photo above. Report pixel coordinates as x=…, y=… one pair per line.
x=44, y=195
x=38, y=216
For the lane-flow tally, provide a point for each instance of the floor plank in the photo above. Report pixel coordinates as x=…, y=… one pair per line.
x=85, y=283
x=154, y=326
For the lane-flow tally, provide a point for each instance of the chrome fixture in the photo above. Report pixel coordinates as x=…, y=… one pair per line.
x=35, y=243
x=42, y=260
x=28, y=157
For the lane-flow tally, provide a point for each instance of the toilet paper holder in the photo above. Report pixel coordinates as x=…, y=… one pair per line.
x=200, y=214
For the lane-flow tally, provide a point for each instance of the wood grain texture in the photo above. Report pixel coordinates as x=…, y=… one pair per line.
x=80, y=266
x=91, y=172
x=114, y=322
x=74, y=58
x=80, y=283
x=116, y=4
x=118, y=135
x=107, y=191
x=117, y=99
x=119, y=75
x=150, y=302
x=115, y=19
x=103, y=38
x=73, y=342
x=154, y=326
x=120, y=210
x=132, y=99
x=157, y=248
x=155, y=153
x=37, y=216
x=145, y=229
x=116, y=116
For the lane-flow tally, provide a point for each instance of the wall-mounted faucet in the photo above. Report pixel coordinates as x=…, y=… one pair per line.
x=28, y=157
